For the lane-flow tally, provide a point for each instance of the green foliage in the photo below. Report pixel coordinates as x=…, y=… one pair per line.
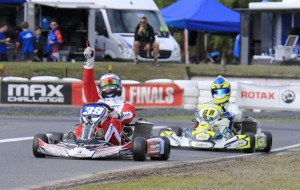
x=163, y=3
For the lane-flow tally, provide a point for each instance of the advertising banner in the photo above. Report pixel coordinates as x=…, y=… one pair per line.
x=153, y=95
x=36, y=93
x=285, y=97
x=140, y=95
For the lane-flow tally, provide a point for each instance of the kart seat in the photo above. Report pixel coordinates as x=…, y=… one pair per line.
x=142, y=129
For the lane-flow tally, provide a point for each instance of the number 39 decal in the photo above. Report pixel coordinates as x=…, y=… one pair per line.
x=90, y=110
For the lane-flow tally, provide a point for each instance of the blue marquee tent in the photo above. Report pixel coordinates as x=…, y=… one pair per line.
x=12, y=1
x=201, y=15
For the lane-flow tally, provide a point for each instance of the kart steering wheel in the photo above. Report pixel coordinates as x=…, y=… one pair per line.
x=106, y=106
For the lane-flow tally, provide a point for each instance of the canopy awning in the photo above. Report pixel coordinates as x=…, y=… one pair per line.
x=72, y=4
x=202, y=15
x=284, y=5
x=12, y=1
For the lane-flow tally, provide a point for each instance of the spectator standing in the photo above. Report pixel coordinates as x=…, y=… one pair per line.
x=25, y=40
x=144, y=37
x=3, y=41
x=38, y=44
x=54, y=39
x=236, y=48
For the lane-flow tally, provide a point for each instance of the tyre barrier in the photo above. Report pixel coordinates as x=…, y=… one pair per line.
x=67, y=79
x=44, y=78
x=190, y=93
x=11, y=78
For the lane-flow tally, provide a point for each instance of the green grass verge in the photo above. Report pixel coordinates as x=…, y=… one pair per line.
x=145, y=71
x=266, y=172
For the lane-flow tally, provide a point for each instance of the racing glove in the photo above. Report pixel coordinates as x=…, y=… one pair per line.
x=116, y=115
x=88, y=54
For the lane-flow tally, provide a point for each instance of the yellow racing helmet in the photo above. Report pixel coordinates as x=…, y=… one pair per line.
x=220, y=90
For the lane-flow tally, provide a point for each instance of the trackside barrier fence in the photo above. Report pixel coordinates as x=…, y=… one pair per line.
x=156, y=93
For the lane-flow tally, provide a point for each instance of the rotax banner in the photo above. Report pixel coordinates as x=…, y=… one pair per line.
x=254, y=96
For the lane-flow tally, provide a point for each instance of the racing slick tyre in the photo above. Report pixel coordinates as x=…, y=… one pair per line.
x=269, y=141
x=139, y=151
x=177, y=130
x=167, y=150
x=36, y=146
x=252, y=143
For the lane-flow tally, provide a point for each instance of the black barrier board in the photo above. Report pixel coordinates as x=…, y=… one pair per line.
x=36, y=93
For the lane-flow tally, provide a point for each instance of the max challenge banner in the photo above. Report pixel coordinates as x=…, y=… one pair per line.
x=36, y=93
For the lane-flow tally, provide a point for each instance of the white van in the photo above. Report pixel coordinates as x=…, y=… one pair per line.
x=114, y=22
x=115, y=25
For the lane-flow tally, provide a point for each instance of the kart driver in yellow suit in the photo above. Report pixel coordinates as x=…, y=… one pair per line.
x=220, y=90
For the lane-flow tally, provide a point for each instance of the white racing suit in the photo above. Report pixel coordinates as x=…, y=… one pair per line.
x=231, y=113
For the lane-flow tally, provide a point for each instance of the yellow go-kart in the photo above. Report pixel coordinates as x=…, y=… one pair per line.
x=245, y=135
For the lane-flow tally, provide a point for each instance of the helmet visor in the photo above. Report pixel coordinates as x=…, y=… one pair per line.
x=220, y=91
x=108, y=83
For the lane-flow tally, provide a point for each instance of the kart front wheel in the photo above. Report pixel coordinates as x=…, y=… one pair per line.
x=269, y=141
x=36, y=146
x=167, y=150
x=139, y=151
x=252, y=143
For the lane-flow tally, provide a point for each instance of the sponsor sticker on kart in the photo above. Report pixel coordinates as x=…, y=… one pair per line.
x=201, y=144
x=153, y=147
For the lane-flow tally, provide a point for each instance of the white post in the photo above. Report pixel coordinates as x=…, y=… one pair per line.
x=205, y=42
x=186, y=45
x=29, y=14
x=91, y=27
x=293, y=20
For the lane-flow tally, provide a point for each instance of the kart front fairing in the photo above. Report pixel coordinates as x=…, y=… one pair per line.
x=209, y=140
x=85, y=149
x=86, y=145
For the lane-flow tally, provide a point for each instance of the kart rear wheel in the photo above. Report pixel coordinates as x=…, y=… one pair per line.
x=167, y=150
x=252, y=143
x=269, y=141
x=36, y=146
x=139, y=149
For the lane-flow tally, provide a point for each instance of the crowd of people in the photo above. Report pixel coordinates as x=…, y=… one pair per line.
x=33, y=46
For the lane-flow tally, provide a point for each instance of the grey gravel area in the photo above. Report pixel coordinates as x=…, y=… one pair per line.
x=75, y=111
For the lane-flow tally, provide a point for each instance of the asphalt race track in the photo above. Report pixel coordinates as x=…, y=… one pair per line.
x=19, y=169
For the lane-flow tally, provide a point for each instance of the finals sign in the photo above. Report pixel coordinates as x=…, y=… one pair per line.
x=153, y=95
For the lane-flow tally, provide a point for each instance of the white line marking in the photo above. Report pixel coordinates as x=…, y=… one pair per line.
x=16, y=139
x=286, y=147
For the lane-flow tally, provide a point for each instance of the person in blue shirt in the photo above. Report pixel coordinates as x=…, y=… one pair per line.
x=54, y=39
x=25, y=40
x=236, y=48
x=3, y=41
